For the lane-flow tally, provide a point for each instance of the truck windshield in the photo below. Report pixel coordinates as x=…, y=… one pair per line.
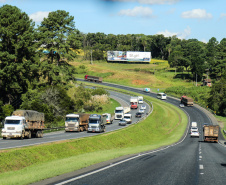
x=127, y=117
x=71, y=119
x=93, y=121
x=118, y=111
x=17, y=122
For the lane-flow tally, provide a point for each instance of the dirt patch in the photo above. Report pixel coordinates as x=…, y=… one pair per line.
x=140, y=82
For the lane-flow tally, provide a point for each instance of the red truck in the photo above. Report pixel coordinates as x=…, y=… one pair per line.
x=93, y=78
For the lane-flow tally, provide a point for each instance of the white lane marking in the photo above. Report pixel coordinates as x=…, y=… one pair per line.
x=115, y=164
x=201, y=167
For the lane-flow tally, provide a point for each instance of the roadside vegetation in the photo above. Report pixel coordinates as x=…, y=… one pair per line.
x=31, y=164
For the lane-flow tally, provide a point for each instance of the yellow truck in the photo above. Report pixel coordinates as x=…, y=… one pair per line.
x=210, y=132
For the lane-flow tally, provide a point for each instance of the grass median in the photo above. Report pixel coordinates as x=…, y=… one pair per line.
x=164, y=126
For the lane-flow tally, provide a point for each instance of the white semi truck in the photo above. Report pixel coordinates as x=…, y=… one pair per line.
x=120, y=111
x=23, y=124
x=76, y=122
x=96, y=123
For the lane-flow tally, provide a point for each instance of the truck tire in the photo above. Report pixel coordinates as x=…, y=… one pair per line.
x=29, y=135
x=22, y=136
x=4, y=137
x=81, y=129
x=38, y=134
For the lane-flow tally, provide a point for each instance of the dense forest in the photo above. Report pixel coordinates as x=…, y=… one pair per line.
x=35, y=70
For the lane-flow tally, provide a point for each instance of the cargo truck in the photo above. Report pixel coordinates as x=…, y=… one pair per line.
x=109, y=118
x=76, y=122
x=96, y=123
x=23, y=124
x=210, y=132
x=93, y=78
x=120, y=111
x=134, y=102
x=187, y=101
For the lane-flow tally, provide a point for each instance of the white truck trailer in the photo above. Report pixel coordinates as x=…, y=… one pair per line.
x=23, y=124
x=120, y=111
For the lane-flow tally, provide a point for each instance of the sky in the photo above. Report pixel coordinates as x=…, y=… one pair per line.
x=187, y=19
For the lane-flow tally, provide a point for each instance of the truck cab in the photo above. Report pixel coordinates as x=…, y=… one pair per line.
x=119, y=112
x=14, y=127
x=134, y=102
x=140, y=99
x=72, y=122
x=96, y=123
x=128, y=118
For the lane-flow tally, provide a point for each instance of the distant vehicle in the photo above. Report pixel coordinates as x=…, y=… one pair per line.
x=141, y=111
x=134, y=102
x=138, y=115
x=140, y=99
x=194, y=129
x=181, y=105
x=187, y=101
x=205, y=124
x=122, y=122
x=194, y=134
x=76, y=122
x=211, y=132
x=143, y=107
x=128, y=118
x=96, y=123
x=147, y=90
x=194, y=124
x=109, y=118
x=161, y=96
x=120, y=111
x=93, y=78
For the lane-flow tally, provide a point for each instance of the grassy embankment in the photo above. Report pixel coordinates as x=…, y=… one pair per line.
x=164, y=126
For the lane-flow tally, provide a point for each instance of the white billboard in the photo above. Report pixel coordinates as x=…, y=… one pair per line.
x=129, y=56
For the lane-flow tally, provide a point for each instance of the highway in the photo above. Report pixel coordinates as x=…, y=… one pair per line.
x=189, y=162
x=61, y=135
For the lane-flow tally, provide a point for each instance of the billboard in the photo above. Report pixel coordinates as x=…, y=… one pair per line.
x=129, y=56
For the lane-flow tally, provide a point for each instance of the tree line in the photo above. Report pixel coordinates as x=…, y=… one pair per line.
x=37, y=57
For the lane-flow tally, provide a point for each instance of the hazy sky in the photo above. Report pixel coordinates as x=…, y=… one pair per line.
x=199, y=19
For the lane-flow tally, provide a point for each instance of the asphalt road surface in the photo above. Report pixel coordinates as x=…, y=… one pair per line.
x=61, y=135
x=189, y=162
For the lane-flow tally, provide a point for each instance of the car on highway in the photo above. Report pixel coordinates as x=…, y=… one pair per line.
x=194, y=129
x=122, y=122
x=143, y=107
x=141, y=111
x=194, y=134
x=181, y=105
x=138, y=115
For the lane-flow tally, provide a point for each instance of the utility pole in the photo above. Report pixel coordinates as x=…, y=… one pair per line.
x=91, y=57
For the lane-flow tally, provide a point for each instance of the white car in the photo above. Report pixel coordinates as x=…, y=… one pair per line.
x=181, y=105
x=141, y=111
x=194, y=129
x=194, y=134
x=143, y=107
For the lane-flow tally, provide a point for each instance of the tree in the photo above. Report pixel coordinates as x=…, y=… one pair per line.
x=18, y=62
x=57, y=33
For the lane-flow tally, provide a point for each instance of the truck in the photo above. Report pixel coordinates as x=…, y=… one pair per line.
x=93, y=78
x=134, y=102
x=96, y=123
x=210, y=133
x=120, y=111
x=147, y=90
x=76, y=122
x=187, y=101
x=128, y=117
x=109, y=118
x=24, y=124
x=140, y=99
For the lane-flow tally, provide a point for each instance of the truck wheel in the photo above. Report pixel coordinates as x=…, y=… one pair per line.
x=41, y=134
x=81, y=129
x=4, y=137
x=22, y=136
x=29, y=135
x=37, y=134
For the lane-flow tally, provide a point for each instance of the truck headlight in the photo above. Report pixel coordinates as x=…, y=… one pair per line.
x=3, y=131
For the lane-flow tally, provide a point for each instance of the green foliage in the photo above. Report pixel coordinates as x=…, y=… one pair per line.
x=199, y=94
x=18, y=62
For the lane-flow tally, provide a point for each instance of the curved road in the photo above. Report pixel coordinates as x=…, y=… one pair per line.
x=190, y=162
x=61, y=135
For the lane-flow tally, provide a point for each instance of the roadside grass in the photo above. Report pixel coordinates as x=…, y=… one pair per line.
x=164, y=126
x=154, y=75
x=222, y=122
